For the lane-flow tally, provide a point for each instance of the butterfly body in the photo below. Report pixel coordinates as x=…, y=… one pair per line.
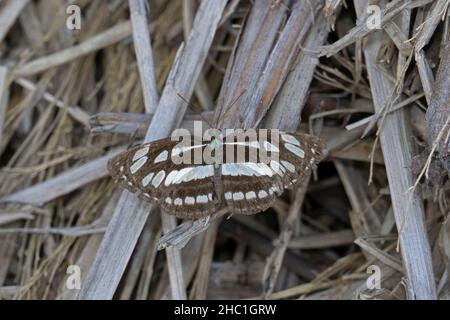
x=244, y=175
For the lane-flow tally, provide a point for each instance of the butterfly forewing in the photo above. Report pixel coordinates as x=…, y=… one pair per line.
x=181, y=189
x=299, y=154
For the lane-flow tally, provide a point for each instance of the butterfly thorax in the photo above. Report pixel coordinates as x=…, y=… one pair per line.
x=216, y=146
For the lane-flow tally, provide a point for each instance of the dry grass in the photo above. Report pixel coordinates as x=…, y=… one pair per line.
x=69, y=100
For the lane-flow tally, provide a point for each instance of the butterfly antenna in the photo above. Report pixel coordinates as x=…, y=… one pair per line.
x=238, y=97
x=191, y=106
x=234, y=102
x=132, y=137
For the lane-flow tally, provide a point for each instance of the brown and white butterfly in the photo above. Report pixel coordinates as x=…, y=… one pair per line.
x=193, y=191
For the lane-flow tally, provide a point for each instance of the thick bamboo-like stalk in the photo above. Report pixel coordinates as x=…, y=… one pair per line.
x=99, y=41
x=131, y=214
x=141, y=41
x=397, y=148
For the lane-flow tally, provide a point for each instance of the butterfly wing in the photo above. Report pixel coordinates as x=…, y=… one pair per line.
x=252, y=186
x=187, y=189
x=249, y=195
x=184, y=190
x=129, y=168
x=299, y=154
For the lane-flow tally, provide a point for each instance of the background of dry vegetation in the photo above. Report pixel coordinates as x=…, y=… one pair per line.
x=63, y=95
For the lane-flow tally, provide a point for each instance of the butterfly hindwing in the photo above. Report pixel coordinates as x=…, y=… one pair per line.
x=249, y=195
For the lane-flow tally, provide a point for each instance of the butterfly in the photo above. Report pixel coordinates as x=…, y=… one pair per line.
x=244, y=175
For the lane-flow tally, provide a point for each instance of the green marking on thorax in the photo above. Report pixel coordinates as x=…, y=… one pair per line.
x=216, y=145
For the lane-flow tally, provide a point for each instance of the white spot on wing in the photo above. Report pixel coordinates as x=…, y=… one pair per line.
x=138, y=164
x=274, y=189
x=202, y=199
x=290, y=139
x=228, y=196
x=158, y=178
x=168, y=200
x=251, y=144
x=231, y=169
x=161, y=157
x=250, y=195
x=185, y=172
x=140, y=153
x=277, y=167
x=238, y=196
x=146, y=180
x=254, y=144
x=261, y=169
x=270, y=147
x=202, y=172
x=246, y=169
x=179, y=150
x=170, y=177
x=262, y=194
x=178, y=202
x=189, y=200
x=288, y=165
x=295, y=150
x=188, y=174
